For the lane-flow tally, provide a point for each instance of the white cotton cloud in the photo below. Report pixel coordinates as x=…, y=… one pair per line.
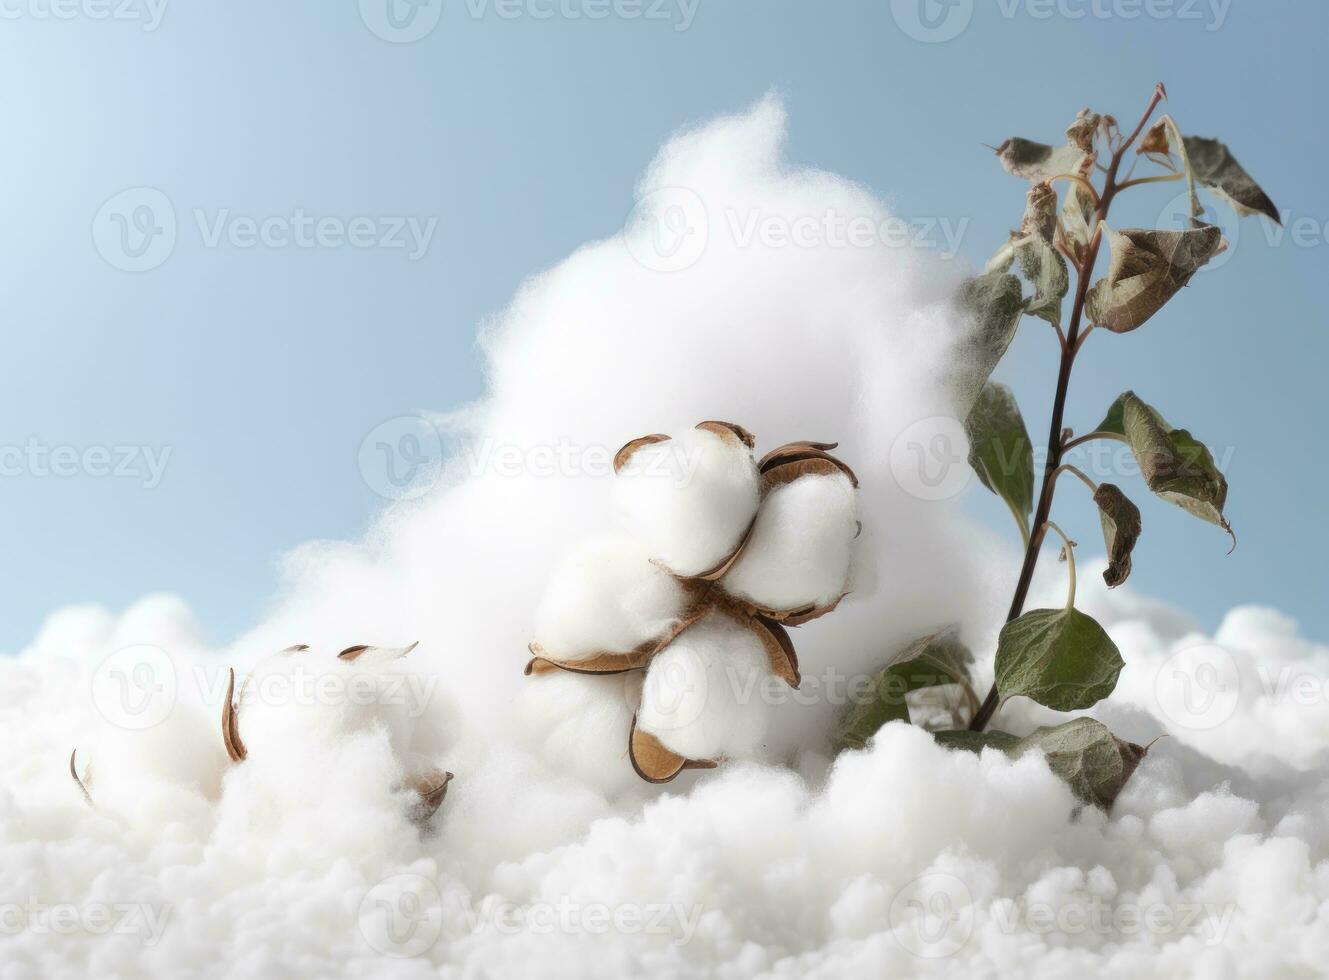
x=549, y=857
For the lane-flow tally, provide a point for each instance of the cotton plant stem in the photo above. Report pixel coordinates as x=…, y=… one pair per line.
x=1084, y=271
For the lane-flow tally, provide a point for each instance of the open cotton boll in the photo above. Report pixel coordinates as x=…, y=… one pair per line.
x=607, y=596
x=705, y=695
x=304, y=697
x=690, y=499
x=801, y=548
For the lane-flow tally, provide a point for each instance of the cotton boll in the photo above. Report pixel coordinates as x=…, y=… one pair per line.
x=705, y=695
x=690, y=499
x=607, y=596
x=306, y=698
x=801, y=547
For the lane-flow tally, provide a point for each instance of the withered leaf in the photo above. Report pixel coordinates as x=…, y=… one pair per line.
x=1081, y=132
x=1148, y=268
x=1041, y=263
x=1121, y=529
x=1155, y=141
x=1215, y=167
x=1175, y=465
x=1038, y=162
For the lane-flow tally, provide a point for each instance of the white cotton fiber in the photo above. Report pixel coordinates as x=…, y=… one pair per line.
x=582, y=724
x=311, y=697
x=606, y=596
x=689, y=499
x=707, y=695
x=801, y=547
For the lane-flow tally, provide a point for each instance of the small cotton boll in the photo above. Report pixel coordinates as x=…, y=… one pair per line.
x=690, y=499
x=607, y=596
x=705, y=695
x=314, y=697
x=802, y=546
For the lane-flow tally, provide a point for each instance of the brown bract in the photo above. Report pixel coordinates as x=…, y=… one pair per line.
x=706, y=595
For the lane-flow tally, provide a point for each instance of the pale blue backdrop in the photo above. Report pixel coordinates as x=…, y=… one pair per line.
x=522, y=128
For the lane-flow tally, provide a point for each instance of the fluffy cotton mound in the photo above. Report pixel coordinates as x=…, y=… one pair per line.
x=606, y=595
x=549, y=857
x=801, y=545
x=690, y=499
x=705, y=695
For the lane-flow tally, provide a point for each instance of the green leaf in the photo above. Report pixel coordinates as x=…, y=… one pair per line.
x=1038, y=162
x=1041, y=263
x=1089, y=758
x=995, y=301
x=1060, y=658
x=1148, y=268
x=1094, y=762
x=1174, y=464
x=1216, y=168
x=1121, y=529
x=1000, y=451
x=930, y=661
x=976, y=741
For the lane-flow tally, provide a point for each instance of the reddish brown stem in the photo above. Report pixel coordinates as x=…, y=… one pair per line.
x=1084, y=272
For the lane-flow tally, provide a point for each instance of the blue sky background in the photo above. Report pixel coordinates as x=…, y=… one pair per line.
x=263, y=369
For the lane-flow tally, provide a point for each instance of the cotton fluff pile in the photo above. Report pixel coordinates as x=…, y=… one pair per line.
x=727, y=551
x=283, y=865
